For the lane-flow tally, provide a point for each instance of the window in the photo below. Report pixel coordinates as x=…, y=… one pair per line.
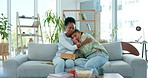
x=3, y=9
x=130, y=14
x=27, y=8
x=24, y=7
x=106, y=20
x=44, y=6
x=133, y=14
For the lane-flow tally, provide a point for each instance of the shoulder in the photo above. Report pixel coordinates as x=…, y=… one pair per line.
x=86, y=35
x=62, y=35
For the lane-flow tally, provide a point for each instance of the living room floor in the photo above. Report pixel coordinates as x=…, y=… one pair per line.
x=1, y=70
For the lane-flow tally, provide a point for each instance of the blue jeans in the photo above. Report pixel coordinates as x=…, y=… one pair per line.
x=93, y=61
x=96, y=59
x=60, y=64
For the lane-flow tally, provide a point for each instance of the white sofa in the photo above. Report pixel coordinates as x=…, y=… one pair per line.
x=32, y=66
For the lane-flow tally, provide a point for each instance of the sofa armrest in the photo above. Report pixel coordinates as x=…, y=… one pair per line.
x=130, y=48
x=138, y=64
x=10, y=65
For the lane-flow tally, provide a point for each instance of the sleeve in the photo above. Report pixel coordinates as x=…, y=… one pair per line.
x=65, y=43
x=87, y=47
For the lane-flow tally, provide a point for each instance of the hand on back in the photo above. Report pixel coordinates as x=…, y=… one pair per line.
x=87, y=40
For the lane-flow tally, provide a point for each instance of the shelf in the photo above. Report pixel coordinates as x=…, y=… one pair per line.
x=87, y=30
x=78, y=10
x=28, y=17
x=28, y=26
x=29, y=35
x=86, y=19
x=23, y=47
x=27, y=32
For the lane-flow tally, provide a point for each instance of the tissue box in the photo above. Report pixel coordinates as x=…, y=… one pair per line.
x=68, y=56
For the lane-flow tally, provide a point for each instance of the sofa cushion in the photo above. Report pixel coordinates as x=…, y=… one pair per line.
x=120, y=67
x=107, y=64
x=41, y=51
x=114, y=49
x=34, y=69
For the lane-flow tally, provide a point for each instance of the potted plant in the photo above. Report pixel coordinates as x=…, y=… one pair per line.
x=53, y=20
x=4, y=27
x=113, y=32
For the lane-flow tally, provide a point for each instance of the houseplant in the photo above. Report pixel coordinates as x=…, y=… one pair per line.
x=4, y=27
x=52, y=20
x=113, y=32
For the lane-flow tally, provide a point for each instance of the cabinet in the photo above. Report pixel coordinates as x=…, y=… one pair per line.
x=28, y=29
x=85, y=20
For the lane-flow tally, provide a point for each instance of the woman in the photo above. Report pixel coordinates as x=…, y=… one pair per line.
x=95, y=53
x=66, y=45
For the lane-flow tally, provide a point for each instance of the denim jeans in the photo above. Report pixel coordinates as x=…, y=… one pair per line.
x=60, y=64
x=94, y=60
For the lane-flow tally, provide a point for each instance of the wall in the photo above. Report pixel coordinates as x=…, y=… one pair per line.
x=67, y=5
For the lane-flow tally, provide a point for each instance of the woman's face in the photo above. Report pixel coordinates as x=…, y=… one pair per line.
x=69, y=28
x=76, y=36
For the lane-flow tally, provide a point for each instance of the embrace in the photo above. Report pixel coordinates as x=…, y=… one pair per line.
x=91, y=54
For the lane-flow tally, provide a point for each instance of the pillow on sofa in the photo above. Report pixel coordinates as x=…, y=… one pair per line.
x=114, y=49
x=41, y=51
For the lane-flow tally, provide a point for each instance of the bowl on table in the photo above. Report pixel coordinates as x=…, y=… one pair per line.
x=84, y=72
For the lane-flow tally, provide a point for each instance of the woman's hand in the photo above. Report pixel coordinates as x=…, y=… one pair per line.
x=87, y=40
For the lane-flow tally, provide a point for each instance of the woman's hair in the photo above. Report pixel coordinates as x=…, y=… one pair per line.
x=76, y=30
x=69, y=20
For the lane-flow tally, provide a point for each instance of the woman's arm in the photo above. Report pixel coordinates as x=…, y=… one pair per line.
x=79, y=44
x=65, y=43
x=87, y=40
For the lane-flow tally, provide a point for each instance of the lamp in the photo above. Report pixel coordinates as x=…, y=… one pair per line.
x=144, y=50
x=138, y=28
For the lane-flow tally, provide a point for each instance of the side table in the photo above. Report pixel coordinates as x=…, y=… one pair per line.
x=144, y=49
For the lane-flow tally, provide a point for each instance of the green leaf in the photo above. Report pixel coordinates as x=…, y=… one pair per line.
x=4, y=27
x=52, y=19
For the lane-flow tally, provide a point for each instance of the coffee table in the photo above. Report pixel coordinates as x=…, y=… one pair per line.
x=111, y=75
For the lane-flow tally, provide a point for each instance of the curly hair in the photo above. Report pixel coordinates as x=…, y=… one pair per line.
x=76, y=30
x=69, y=20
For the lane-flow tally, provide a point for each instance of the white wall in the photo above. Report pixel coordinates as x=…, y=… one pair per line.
x=67, y=5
